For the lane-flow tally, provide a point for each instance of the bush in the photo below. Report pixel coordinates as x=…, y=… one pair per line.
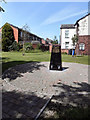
x=64, y=53
x=38, y=47
x=28, y=47
x=44, y=48
x=15, y=46
x=21, y=50
x=7, y=37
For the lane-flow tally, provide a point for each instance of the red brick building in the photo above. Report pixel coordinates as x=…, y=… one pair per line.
x=19, y=35
x=82, y=30
x=83, y=33
x=43, y=41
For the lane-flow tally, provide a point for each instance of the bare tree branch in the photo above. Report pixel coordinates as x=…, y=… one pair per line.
x=1, y=9
x=2, y=1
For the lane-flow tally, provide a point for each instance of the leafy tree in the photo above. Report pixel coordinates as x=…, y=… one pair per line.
x=75, y=40
x=55, y=40
x=7, y=37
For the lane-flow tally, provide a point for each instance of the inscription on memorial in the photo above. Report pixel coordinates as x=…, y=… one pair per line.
x=56, y=49
x=56, y=62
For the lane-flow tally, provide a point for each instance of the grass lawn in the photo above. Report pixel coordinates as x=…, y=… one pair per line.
x=10, y=59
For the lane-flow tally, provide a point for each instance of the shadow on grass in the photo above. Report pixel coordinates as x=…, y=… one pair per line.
x=24, y=106
x=71, y=104
x=6, y=65
x=18, y=70
x=5, y=58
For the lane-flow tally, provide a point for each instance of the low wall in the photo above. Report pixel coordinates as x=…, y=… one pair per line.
x=34, y=46
x=64, y=51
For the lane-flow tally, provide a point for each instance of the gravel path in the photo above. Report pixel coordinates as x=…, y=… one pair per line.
x=29, y=86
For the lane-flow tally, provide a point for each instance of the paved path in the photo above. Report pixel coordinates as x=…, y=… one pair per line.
x=27, y=87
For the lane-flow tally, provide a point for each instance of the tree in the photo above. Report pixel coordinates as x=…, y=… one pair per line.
x=7, y=37
x=15, y=46
x=25, y=30
x=75, y=40
x=55, y=40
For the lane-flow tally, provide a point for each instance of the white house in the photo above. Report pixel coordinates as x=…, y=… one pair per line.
x=67, y=32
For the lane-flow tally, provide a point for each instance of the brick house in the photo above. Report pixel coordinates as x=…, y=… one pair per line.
x=43, y=41
x=19, y=35
x=49, y=41
x=81, y=29
x=47, y=44
x=83, y=33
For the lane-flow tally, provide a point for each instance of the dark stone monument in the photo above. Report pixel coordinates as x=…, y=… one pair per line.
x=56, y=61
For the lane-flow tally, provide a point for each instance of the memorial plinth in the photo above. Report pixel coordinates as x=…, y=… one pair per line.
x=56, y=61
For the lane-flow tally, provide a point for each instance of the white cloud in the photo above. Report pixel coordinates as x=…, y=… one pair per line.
x=64, y=14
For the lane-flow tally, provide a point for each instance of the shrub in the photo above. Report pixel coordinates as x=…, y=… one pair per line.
x=44, y=48
x=21, y=50
x=28, y=47
x=15, y=46
x=7, y=37
x=64, y=52
x=38, y=46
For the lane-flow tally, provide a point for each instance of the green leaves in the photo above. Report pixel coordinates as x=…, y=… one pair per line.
x=75, y=40
x=7, y=37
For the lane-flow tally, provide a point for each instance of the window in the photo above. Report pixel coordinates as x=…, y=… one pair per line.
x=24, y=35
x=28, y=36
x=21, y=34
x=81, y=46
x=66, y=33
x=36, y=38
x=33, y=38
x=66, y=45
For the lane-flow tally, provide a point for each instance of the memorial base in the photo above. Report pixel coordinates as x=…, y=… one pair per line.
x=56, y=61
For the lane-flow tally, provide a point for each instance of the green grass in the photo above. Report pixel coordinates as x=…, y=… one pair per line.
x=10, y=59
x=77, y=59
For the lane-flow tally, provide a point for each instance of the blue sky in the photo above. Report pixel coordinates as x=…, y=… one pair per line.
x=43, y=18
